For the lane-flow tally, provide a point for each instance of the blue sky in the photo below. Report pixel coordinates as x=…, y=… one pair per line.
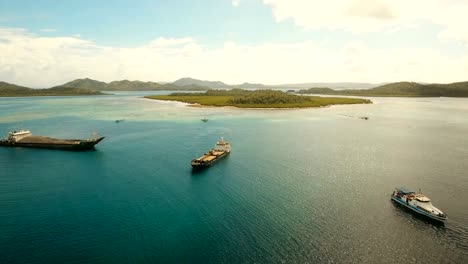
x=131, y=23
x=336, y=40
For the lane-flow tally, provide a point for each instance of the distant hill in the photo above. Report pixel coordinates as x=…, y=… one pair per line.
x=11, y=90
x=190, y=81
x=459, y=89
x=85, y=84
x=337, y=85
x=247, y=85
x=8, y=87
x=217, y=84
x=191, y=84
x=221, y=85
x=126, y=85
x=89, y=86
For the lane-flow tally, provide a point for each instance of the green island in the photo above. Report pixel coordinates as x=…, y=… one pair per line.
x=256, y=99
x=400, y=89
x=11, y=90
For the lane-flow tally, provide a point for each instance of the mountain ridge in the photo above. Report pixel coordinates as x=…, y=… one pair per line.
x=457, y=89
x=405, y=89
x=188, y=83
x=185, y=83
x=11, y=90
x=127, y=85
x=246, y=85
x=191, y=81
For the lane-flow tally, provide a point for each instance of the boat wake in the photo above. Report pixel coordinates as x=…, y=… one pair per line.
x=457, y=233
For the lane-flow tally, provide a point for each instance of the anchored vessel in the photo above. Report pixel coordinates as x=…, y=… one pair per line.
x=418, y=203
x=221, y=150
x=24, y=138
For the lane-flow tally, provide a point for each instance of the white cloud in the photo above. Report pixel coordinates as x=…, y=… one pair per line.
x=164, y=42
x=235, y=3
x=374, y=15
x=38, y=61
x=48, y=30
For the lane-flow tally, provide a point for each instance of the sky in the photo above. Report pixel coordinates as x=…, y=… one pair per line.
x=50, y=42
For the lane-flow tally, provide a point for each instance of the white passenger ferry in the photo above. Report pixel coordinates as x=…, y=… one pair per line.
x=418, y=203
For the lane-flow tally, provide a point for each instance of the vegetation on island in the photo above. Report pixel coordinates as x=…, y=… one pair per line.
x=256, y=99
x=11, y=90
x=400, y=89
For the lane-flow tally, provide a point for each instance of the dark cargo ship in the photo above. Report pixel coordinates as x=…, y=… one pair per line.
x=24, y=138
x=221, y=150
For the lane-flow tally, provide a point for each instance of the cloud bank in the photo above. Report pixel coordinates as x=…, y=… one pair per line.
x=38, y=61
x=374, y=15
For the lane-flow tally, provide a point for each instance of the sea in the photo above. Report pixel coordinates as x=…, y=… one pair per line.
x=300, y=186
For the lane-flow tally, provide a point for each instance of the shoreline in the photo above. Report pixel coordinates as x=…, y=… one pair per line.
x=254, y=108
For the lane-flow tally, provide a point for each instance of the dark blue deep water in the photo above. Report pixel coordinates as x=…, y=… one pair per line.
x=301, y=186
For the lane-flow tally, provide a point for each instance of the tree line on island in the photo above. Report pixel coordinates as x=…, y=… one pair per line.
x=240, y=96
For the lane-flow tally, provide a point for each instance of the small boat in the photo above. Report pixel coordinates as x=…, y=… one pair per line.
x=119, y=120
x=204, y=119
x=418, y=203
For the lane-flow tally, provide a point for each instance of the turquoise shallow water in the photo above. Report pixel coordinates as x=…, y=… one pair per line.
x=308, y=185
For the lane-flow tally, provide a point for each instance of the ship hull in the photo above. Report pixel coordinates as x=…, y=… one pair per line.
x=208, y=164
x=50, y=143
x=418, y=211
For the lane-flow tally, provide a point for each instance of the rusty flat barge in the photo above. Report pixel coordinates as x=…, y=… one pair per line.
x=25, y=138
